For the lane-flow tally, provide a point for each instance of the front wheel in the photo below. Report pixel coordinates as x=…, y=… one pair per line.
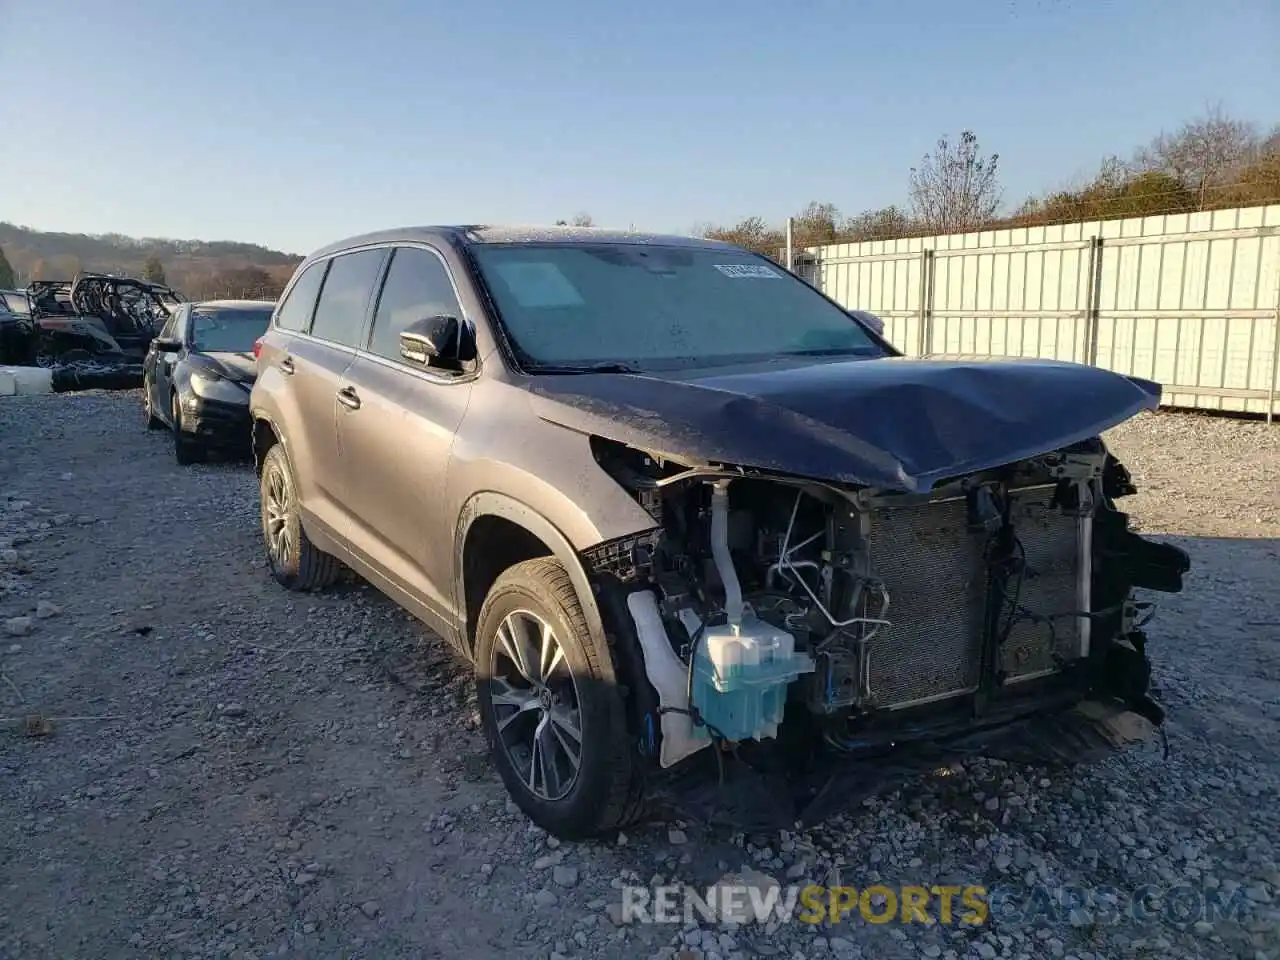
x=551, y=707
x=295, y=561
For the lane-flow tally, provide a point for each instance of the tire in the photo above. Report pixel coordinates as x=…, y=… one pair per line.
x=186, y=450
x=295, y=562
x=153, y=422
x=605, y=792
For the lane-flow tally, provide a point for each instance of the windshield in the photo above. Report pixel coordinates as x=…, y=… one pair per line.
x=15, y=303
x=228, y=330
x=658, y=307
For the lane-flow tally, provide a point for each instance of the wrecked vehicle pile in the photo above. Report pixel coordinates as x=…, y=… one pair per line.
x=90, y=332
x=15, y=325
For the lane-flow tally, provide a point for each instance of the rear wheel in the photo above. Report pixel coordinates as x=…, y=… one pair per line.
x=551, y=707
x=295, y=561
x=186, y=450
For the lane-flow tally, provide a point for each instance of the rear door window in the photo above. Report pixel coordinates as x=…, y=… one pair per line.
x=417, y=287
x=344, y=299
x=295, y=313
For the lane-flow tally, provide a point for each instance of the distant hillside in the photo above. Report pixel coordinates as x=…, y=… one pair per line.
x=199, y=268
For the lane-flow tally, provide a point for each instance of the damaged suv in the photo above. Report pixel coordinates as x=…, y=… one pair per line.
x=711, y=543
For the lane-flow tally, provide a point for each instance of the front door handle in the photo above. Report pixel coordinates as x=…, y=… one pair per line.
x=348, y=397
x=286, y=364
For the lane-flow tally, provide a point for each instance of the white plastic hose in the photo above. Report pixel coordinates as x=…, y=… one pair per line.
x=720, y=551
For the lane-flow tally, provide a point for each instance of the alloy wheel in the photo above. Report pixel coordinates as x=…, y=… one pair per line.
x=277, y=509
x=536, y=706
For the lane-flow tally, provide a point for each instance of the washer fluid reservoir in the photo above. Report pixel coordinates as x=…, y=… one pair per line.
x=740, y=678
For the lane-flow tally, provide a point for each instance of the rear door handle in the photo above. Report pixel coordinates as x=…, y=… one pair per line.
x=286, y=364
x=348, y=397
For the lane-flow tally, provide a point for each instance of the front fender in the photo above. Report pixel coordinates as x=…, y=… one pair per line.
x=491, y=503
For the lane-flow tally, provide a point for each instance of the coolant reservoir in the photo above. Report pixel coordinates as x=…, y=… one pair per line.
x=740, y=678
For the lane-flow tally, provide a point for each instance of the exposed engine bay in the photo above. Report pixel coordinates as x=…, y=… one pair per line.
x=785, y=625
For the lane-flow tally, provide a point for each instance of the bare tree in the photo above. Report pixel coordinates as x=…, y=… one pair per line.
x=1113, y=174
x=883, y=224
x=817, y=223
x=1202, y=153
x=153, y=270
x=955, y=188
x=579, y=220
x=752, y=233
x=1269, y=146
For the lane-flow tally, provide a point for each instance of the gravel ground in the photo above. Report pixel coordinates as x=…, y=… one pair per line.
x=234, y=771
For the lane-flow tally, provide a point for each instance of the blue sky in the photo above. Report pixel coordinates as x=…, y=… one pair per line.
x=294, y=124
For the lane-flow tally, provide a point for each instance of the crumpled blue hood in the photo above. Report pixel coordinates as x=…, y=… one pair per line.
x=901, y=423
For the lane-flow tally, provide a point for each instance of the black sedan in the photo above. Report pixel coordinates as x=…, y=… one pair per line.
x=198, y=373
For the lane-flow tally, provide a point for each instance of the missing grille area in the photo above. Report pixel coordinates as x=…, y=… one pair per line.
x=935, y=569
x=1046, y=630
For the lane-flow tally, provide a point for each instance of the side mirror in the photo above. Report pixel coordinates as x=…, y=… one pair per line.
x=167, y=345
x=437, y=341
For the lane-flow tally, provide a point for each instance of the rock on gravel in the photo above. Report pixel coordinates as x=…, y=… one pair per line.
x=249, y=773
x=18, y=626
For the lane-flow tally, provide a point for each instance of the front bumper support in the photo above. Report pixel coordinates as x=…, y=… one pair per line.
x=217, y=422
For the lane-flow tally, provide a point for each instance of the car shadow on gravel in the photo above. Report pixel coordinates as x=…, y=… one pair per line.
x=223, y=455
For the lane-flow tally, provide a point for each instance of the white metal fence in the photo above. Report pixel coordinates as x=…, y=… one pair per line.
x=1189, y=300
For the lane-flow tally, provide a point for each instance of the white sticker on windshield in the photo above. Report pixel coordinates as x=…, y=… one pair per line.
x=539, y=285
x=748, y=271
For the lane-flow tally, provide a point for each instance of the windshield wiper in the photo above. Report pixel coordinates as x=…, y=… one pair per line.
x=868, y=351
x=585, y=368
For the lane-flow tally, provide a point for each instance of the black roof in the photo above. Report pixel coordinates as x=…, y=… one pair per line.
x=232, y=304
x=464, y=235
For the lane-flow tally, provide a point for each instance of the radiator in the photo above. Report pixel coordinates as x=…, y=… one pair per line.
x=934, y=570
x=1054, y=586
